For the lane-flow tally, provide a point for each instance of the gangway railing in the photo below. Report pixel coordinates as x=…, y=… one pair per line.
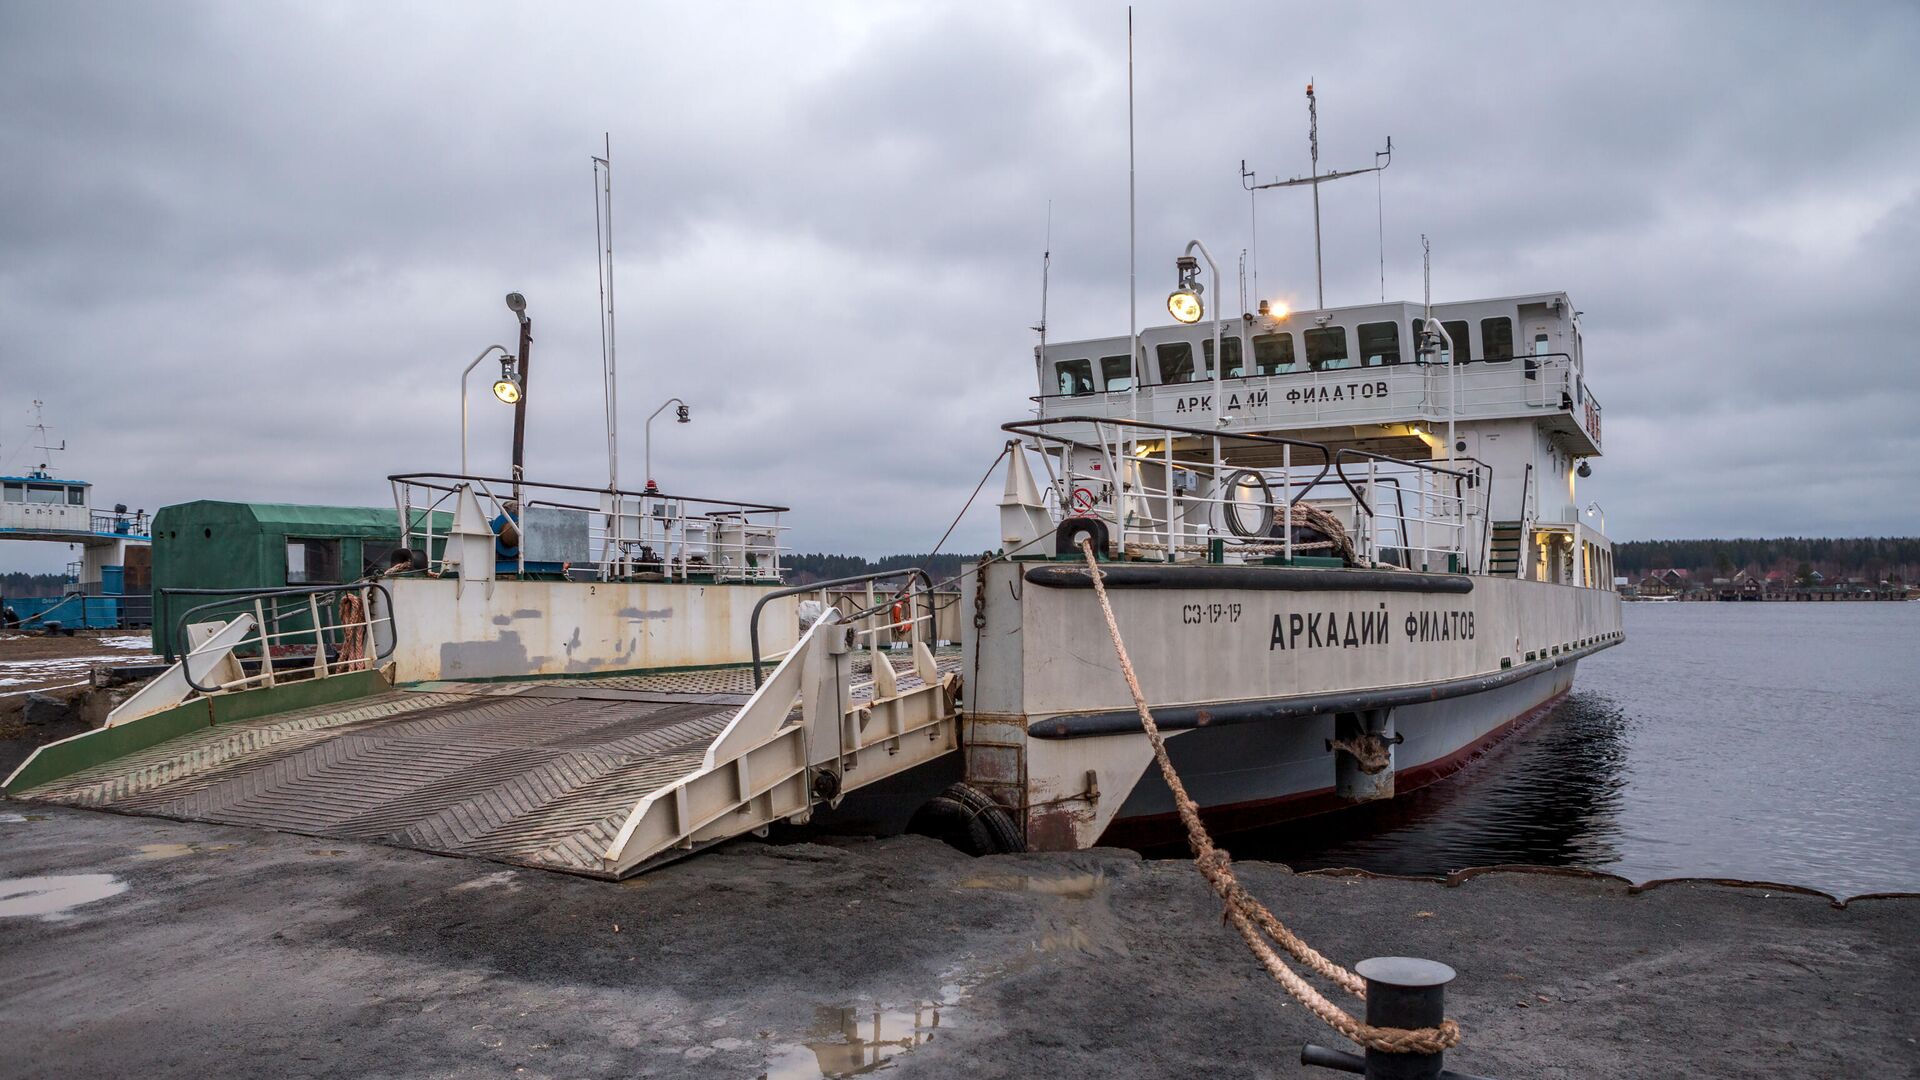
x=334, y=629
x=913, y=617
x=601, y=534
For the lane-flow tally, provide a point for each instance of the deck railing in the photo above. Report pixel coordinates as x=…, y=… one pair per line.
x=599, y=534
x=312, y=632
x=1163, y=494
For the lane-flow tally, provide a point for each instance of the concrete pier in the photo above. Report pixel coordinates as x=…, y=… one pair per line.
x=161, y=948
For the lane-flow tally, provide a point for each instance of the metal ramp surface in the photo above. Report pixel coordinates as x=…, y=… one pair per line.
x=536, y=775
x=600, y=776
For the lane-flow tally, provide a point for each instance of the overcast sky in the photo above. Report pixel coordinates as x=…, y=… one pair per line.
x=245, y=249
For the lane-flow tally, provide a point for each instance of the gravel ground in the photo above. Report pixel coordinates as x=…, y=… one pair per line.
x=202, y=950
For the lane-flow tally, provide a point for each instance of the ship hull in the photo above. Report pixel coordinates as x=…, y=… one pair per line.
x=1283, y=692
x=1257, y=775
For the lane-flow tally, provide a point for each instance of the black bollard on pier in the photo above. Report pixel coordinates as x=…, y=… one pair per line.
x=1402, y=992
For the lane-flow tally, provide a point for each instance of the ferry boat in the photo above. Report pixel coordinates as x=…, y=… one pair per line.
x=1347, y=558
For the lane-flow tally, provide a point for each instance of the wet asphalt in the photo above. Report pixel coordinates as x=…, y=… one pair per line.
x=138, y=946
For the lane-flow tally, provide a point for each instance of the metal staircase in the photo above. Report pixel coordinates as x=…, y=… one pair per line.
x=1504, y=558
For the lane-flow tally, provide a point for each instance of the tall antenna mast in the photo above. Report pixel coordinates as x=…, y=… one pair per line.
x=1426, y=271
x=603, y=258
x=1046, y=264
x=1380, y=216
x=1133, y=289
x=40, y=428
x=1315, y=179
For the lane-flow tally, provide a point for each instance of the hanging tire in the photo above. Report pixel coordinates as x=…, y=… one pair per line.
x=1066, y=538
x=964, y=818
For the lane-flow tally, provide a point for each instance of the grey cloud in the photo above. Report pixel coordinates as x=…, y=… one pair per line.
x=246, y=250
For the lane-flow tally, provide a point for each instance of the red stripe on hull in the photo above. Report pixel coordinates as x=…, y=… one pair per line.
x=1159, y=830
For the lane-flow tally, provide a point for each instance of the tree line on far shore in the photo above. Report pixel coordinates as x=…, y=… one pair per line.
x=1797, y=558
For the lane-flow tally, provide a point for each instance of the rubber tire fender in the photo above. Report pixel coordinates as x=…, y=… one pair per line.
x=1066, y=538
x=965, y=818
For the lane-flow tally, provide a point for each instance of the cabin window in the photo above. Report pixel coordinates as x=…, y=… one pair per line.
x=1455, y=330
x=1496, y=338
x=1540, y=345
x=1273, y=353
x=16, y=493
x=312, y=562
x=1327, y=348
x=1074, y=376
x=1229, y=348
x=76, y=496
x=54, y=494
x=1116, y=373
x=1176, y=361
x=1379, y=343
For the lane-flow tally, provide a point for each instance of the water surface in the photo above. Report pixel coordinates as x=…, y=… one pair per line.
x=1775, y=742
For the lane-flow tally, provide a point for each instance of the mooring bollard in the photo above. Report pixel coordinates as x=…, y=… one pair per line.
x=1402, y=992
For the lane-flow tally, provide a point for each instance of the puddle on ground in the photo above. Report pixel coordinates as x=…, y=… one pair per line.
x=13, y=819
x=855, y=1040
x=52, y=897
x=154, y=852
x=504, y=879
x=1073, y=887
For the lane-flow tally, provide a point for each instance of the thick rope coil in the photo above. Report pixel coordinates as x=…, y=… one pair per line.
x=1256, y=925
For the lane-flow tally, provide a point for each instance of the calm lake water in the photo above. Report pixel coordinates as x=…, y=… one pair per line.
x=1775, y=742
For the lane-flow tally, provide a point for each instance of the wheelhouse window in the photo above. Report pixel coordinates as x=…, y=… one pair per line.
x=1116, y=373
x=16, y=493
x=1496, y=338
x=1273, y=353
x=1073, y=376
x=1176, y=361
x=76, y=496
x=1455, y=330
x=1327, y=348
x=1379, y=343
x=1229, y=348
x=51, y=494
x=313, y=561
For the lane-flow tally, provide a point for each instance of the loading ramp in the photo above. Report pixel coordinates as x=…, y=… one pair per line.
x=601, y=776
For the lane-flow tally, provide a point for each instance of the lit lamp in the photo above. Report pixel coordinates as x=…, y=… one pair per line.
x=507, y=386
x=1183, y=303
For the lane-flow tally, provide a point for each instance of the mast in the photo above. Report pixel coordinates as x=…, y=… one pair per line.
x=603, y=260
x=1314, y=179
x=1313, y=145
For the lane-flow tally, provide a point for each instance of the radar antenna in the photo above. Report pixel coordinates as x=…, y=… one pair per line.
x=1314, y=180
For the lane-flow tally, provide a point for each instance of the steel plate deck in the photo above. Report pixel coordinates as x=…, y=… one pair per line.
x=539, y=775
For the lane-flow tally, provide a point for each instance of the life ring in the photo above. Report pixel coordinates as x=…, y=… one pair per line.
x=902, y=616
x=1083, y=500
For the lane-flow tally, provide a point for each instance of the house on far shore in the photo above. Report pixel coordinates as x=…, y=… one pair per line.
x=1625, y=587
x=1666, y=583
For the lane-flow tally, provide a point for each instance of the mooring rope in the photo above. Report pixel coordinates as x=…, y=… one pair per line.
x=1250, y=918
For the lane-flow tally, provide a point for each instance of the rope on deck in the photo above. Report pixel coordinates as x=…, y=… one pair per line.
x=1255, y=924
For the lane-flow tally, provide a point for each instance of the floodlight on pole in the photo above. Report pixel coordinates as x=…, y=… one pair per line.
x=502, y=350
x=681, y=415
x=1184, y=302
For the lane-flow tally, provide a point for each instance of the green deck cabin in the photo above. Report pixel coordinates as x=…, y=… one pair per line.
x=229, y=545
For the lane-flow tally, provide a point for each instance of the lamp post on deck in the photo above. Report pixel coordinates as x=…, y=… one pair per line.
x=683, y=415
x=506, y=363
